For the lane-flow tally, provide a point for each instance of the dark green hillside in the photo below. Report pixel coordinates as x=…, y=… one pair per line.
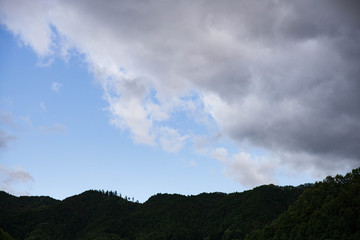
x=329, y=210
x=91, y=212
x=18, y=215
x=325, y=210
x=9, y=203
x=100, y=215
x=42, y=217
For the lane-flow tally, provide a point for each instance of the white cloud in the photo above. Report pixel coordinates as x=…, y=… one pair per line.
x=170, y=139
x=130, y=114
x=29, y=21
x=220, y=154
x=248, y=170
x=55, y=86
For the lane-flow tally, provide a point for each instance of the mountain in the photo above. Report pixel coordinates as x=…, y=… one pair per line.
x=324, y=210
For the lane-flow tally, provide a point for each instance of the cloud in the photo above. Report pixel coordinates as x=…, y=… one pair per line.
x=42, y=105
x=286, y=82
x=54, y=129
x=11, y=178
x=248, y=170
x=5, y=139
x=7, y=123
x=220, y=154
x=170, y=139
x=55, y=86
x=130, y=114
x=27, y=121
x=7, y=119
x=29, y=22
x=192, y=163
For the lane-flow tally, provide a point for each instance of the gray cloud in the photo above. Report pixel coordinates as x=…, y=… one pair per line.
x=10, y=178
x=7, y=119
x=8, y=124
x=5, y=139
x=280, y=75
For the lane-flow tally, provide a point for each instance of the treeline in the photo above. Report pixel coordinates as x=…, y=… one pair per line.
x=325, y=210
x=104, y=215
x=115, y=193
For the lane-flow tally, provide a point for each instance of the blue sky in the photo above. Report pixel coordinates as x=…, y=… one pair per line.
x=89, y=153
x=194, y=97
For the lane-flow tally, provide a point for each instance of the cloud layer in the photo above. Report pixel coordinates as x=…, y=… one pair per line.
x=278, y=75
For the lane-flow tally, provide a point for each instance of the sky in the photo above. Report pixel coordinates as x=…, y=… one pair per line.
x=147, y=97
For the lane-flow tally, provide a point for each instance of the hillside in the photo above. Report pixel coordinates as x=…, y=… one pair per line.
x=329, y=209
x=99, y=215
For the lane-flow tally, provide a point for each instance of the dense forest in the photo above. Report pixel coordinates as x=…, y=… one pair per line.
x=329, y=209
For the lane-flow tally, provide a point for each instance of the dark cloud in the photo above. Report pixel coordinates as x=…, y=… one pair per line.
x=303, y=96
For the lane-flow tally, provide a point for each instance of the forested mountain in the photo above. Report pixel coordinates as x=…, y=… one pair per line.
x=325, y=210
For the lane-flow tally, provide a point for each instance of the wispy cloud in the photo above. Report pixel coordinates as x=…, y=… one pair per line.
x=27, y=121
x=192, y=163
x=7, y=119
x=55, y=86
x=42, y=106
x=5, y=139
x=7, y=124
x=54, y=129
x=13, y=180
